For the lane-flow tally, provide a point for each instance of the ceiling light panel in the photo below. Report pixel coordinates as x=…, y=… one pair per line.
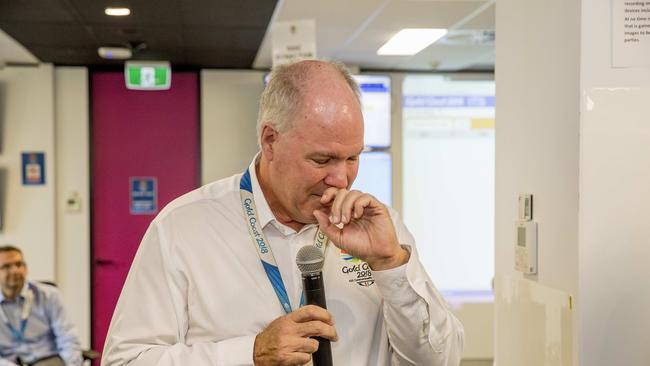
x=410, y=41
x=117, y=12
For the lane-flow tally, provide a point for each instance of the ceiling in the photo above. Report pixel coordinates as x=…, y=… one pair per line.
x=200, y=33
x=234, y=33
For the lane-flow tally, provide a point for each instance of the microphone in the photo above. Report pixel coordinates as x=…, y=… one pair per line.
x=310, y=262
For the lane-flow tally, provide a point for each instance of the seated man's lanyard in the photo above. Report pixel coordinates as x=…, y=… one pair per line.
x=27, y=308
x=261, y=244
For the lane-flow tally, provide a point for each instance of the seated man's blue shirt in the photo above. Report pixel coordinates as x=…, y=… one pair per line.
x=48, y=332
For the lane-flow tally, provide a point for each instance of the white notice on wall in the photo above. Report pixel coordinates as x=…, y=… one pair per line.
x=631, y=33
x=293, y=40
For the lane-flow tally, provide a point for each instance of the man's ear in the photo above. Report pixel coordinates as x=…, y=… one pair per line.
x=268, y=138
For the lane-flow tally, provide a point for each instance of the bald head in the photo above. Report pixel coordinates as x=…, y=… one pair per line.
x=292, y=85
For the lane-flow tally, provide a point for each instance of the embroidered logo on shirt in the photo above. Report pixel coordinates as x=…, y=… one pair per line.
x=356, y=270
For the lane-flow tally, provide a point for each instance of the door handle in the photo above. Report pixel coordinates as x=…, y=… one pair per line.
x=104, y=262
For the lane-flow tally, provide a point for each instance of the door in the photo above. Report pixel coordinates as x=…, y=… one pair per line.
x=145, y=153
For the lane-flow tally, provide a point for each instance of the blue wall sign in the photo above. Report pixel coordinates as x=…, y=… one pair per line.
x=144, y=195
x=33, y=164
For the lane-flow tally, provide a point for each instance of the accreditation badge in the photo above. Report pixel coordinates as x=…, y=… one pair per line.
x=356, y=270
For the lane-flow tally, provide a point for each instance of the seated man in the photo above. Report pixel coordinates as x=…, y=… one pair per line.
x=34, y=329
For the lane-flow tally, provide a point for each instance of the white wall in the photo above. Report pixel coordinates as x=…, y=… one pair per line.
x=27, y=124
x=559, y=94
x=537, y=113
x=614, y=200
x=72, y=179
x=229, y=101
x=46, y=109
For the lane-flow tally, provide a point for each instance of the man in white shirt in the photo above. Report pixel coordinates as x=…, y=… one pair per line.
x=215, y=283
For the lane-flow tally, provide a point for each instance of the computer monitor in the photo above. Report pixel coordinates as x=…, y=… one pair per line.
x=376, y=108
x=375, y=176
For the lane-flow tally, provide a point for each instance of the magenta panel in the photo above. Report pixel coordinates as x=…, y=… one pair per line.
x=135, y=134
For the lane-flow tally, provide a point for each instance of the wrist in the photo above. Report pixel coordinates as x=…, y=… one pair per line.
x=400, y=257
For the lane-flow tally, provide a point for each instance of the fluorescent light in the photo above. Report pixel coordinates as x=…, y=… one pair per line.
x=114, y=53
x=410, y=41
x=117, y=12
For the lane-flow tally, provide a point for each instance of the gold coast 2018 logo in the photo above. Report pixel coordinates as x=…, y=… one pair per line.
x=357, y=270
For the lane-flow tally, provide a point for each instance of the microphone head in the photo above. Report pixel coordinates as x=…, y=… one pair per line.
x=309, y=259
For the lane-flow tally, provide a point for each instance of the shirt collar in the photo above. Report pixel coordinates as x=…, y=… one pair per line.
x=21, y=295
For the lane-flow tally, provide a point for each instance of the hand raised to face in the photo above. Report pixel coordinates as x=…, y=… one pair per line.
x=367, y=230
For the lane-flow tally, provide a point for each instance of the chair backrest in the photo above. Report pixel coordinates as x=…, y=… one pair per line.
x=48, y=283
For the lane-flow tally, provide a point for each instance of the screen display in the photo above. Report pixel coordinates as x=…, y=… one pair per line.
x=375, y=101
x=448, y=174
x=375, y=176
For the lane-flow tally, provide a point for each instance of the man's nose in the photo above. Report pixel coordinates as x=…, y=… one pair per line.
x=337, y=175
x=15, y=268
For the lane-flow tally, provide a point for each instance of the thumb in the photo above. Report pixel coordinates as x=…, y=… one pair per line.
x=327, y=227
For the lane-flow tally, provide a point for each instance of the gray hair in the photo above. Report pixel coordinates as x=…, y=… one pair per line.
x=282, y=97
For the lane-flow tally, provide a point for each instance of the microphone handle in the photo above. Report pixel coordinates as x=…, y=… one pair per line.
x=315, y=295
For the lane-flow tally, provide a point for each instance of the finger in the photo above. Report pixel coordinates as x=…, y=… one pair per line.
x=330, y=230
x=360, y=204
x=328, y=195
x=307, y=345
x=335, y=213
x=296, y=358
x=348, y=204
x=311, y=312
x=317, y=328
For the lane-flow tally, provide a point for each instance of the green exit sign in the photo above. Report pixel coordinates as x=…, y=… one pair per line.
x=145, y=75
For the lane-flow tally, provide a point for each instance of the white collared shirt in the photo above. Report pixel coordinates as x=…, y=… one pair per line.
x=197, y=293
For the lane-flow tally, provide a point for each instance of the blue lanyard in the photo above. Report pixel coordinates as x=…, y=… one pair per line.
x=262, y=244
x=18, y=335
x=27, y=307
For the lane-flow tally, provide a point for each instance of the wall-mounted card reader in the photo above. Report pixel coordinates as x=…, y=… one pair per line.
x=526, y=248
